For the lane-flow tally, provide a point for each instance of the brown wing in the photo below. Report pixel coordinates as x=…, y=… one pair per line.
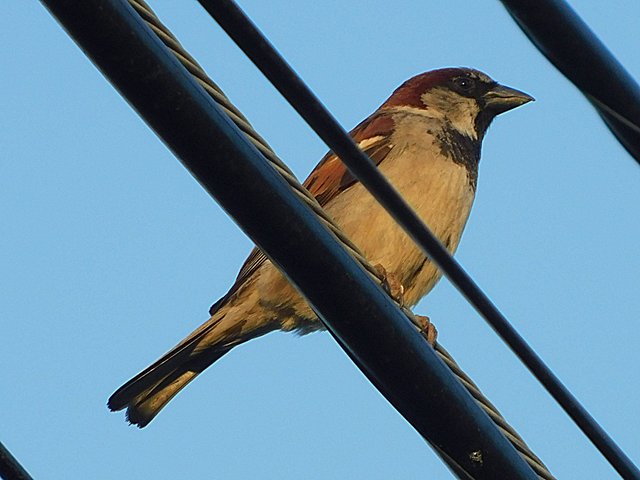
x=328, y=179
x=331, y=176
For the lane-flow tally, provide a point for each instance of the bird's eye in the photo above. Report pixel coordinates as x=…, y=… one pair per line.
x=464, y=84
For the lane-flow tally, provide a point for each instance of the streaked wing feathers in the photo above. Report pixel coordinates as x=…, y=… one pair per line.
x=331, y=176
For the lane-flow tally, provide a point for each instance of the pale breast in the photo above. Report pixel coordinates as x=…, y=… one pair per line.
x=438, y=189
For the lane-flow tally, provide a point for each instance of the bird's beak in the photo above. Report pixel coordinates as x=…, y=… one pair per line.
x=501, y=99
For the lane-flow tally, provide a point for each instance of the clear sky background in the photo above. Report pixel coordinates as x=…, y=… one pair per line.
x=110, y=252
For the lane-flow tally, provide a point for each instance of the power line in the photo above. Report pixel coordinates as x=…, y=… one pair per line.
x=10, y=468
x=251, y=41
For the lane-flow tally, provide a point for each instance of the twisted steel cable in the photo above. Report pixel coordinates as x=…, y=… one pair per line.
x=192, y=66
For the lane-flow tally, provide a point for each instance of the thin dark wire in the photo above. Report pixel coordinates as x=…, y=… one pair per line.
x=216, y=93
x=609, y=110
x=251, y=41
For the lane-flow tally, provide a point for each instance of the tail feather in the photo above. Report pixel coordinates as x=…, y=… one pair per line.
x=148, y=392
x=145, y=406
x=154, y=374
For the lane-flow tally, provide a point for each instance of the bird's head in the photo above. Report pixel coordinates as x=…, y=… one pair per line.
x=466, y=99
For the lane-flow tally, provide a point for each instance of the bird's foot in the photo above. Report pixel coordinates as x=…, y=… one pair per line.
x=395, y=289
x=391, y=284
x=426, y=328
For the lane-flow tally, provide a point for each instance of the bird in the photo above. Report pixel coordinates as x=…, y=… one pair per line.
x=426, y=139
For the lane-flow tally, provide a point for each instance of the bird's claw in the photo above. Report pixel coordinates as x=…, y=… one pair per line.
x=391, y=284
x=395, y=289
x=426, y=328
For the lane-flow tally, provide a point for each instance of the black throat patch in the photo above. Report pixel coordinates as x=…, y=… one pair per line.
x=462, y=149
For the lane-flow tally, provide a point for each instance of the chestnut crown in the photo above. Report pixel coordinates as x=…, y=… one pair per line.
x=466, y=98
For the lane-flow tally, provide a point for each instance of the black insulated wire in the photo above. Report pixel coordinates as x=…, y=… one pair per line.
x=251, y=41
x=569, y=44
x=10, y=468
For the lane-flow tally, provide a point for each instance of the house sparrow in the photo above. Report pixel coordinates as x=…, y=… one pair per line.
x=426, y=139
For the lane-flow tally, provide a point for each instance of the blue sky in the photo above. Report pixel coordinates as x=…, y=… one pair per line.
x=111, y=252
